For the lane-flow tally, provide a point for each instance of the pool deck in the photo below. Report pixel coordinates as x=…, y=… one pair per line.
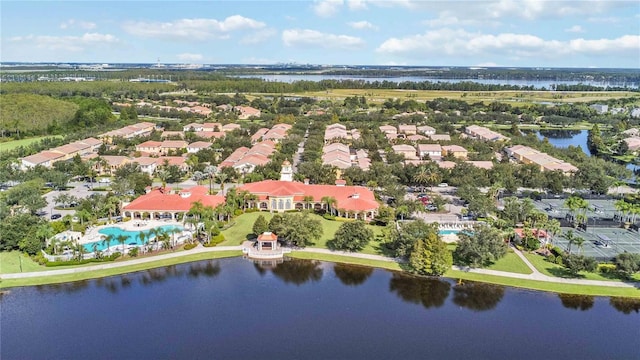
x=93, y=233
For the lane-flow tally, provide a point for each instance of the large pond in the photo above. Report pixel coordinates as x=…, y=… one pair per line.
x=566, y=138
x=233, y=309
x=538, y=84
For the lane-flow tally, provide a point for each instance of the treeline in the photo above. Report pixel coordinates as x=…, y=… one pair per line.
x=28, y=114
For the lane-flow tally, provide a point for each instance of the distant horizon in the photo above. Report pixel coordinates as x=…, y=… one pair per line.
x=328, y=66
x=480, y=33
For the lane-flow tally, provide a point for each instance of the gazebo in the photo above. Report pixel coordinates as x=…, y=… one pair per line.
x=267, y=241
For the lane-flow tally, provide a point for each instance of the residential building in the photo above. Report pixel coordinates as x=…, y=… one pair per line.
x=197, y=146
x=482, y=133
x=527, y=155
x=434, y=151
x=440, y=137
x=230, y=127
x=43, y=158
x=150, y=147
x=408, y=151
x=245, y=112
x=633, y=143
x=426, y=130
x=147, y=165
x=388, y=129
x=407, y=129
x=456, y=150
x=600, y=108
x=172, y=145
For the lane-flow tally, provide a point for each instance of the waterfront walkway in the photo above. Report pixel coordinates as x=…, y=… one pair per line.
x=535, y=275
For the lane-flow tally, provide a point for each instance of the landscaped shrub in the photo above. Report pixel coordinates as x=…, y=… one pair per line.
x=251, y=210
x=190, y=246
x=557, y=251
x=215, y=240
x=559, y=260
x=133, y=252
x=328, y=216
x=341, y=219
x=82, y=262
x=607, y=268
x=551, y=258
x=238, y=212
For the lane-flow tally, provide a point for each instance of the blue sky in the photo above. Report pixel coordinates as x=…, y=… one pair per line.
x=393, y=32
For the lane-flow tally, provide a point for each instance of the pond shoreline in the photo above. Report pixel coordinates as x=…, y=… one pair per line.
x=617, y=289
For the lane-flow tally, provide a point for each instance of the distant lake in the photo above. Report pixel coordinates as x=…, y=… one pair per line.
x=234, y=309
x=566, y=138
x=289, y=78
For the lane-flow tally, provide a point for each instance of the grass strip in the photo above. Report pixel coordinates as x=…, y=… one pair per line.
x=94, y=274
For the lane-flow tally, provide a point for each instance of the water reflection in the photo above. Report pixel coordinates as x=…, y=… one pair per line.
x=577, y=302
x=351, y=275
x=625, y=305
x=298, y=272
x=428, y=292
x=207, y=269
x=69, y=287
x=559, y=134
x=477, y=296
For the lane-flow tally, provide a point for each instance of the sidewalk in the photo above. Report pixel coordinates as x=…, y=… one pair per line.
x=197, y=250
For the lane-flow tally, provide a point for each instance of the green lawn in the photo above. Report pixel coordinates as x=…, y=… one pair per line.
x=117, y=271
x=390, y=265
x=556, y=270
x=10, y=145
x=511, y=263
x=242, y=230
x=10, y=263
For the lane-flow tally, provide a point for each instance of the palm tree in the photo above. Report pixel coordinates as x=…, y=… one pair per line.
x=427, y=176
x=107, y=241
x=576, y=204
x=624, y=208
x=163, y=175
x=329, y=202
x=553, y=228
x=579, y=242
x=222, y=178
x=173, y=232
x=307, y=200
x=142, y=236
x=80, y=250
x=122, y=239
x=210, y=171
x=570, y=237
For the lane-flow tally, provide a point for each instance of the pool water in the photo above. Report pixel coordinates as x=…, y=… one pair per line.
x=448, y=232
x=132, y=236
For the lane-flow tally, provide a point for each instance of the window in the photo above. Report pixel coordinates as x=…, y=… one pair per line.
x=288, y=204
x=281, y=204
x=273, y=204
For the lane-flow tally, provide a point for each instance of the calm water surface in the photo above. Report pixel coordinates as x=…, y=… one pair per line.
x=539, y=84
x=566, y=138
x=233, y=309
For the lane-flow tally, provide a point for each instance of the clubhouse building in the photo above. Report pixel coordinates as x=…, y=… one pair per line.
x=282, y=195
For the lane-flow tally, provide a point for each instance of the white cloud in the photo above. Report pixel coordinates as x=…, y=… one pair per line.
x=66, y=43
x=71, y=23
x=258, y=36
x=190, y=57
x=327, y=8
x=575, y=29
x=357, y=4
x=313, y=38
x=448, y=42
x=604, y=20
x=192, y=29
x=447, y=19
x=362, y=25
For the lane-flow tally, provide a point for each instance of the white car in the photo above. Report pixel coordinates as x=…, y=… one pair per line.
x=443, y=185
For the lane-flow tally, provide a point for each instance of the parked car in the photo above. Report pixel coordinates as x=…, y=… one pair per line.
x=420, y=196
x=443, y=185
x=55, y=216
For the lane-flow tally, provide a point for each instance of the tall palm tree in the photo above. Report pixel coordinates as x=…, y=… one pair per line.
x=579, y=242
x=553, y=228
x=122, y=239
x=173, y=232
x=576, y=205
x=222, y=178
x=329, y=202
x=142, y=236
x=210, y=171
x=107, y=241
x=427, y=176
x=307, y=200
x=570, y=236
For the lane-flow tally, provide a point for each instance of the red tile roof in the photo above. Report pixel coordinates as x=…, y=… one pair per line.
x=268, y=236
x=349, y=198
x=158, y=200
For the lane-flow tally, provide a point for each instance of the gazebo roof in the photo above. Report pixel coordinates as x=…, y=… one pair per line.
x=268, y=236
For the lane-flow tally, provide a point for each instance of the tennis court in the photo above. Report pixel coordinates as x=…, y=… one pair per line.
x=602, y=243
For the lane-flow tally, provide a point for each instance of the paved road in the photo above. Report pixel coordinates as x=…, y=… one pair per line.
x=78, y=189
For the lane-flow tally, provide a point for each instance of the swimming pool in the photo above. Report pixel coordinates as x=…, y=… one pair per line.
x=449, y=232
x=133, y=237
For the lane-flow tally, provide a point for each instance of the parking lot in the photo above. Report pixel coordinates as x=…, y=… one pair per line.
x=77, y=189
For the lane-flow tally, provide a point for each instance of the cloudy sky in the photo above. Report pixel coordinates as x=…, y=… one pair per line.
x=390, y=32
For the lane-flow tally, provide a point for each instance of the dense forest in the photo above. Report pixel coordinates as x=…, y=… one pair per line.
x=28, y=113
